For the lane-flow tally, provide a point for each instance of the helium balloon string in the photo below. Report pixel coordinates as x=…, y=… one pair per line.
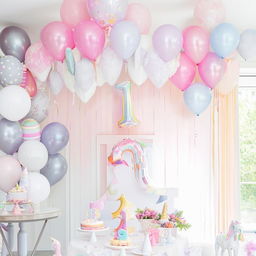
x=195, y=130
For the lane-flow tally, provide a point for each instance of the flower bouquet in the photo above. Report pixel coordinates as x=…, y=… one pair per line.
x=148, y=219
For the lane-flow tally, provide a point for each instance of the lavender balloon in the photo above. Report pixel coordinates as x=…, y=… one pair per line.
x=167, y=42
x=10, y=136
x=14, y=41
x=55, y=137
x=55, y=169
x=125, y=39
x=197, y=98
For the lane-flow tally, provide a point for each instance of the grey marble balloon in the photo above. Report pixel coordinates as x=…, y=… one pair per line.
x=11, y=136
x=55, y=169
x=55, y=137
x=14, y=41
x=39, y=107
x=11, y=71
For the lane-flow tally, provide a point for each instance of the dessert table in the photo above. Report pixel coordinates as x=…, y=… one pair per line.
x=41, y=215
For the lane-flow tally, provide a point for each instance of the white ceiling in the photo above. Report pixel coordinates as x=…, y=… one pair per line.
x=32, y=15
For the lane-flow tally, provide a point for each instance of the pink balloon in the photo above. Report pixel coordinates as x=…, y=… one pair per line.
x=196, y=43
x=73, y=12
x=89, y=39
x=212, y=69
x=37, y=59
x=10, y=172
x=56, y=38
x=185, y=74
x=140, y=15
x=209, y=13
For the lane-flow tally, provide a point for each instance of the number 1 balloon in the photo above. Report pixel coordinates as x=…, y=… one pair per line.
x=128, y=119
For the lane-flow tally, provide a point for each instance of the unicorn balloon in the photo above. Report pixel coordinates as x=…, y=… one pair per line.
x=229, y=242
x=56, y=247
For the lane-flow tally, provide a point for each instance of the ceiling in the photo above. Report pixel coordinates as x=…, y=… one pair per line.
x=32, y=15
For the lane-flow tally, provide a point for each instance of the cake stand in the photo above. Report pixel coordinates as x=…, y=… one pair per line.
x=93, y=237
x=128, y=247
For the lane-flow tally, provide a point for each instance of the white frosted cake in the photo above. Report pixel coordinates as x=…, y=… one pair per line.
x=92, y=224
x=17, y=194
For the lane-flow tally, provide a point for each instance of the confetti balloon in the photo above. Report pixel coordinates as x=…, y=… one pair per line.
x=31, y=129
x=11, y=71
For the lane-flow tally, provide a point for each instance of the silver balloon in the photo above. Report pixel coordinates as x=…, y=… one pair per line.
x=39, y=107
x=14, y=41
x=55, y=169
x=10, y=136
x=11, y=71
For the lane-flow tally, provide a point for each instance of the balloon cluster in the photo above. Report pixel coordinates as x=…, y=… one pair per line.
x=22, y=108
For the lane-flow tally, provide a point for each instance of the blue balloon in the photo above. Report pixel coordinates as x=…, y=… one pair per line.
x=197, y=98
x=224, y=39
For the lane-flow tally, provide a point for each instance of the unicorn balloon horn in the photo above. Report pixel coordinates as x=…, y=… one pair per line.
x=56, y=247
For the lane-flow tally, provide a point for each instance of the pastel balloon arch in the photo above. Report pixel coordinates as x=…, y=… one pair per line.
x=88, y=48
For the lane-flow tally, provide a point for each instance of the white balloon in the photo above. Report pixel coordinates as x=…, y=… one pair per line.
x=84, y=75
x=99, y=76
x=55, y=82
x=110, y=65
x=85, y=96
x=33, y=155
x=68, y=79
x=156, y=69
x=173, y=65
x=247, y=45
x=42, y=76
x=39, y=187
x=15, y=102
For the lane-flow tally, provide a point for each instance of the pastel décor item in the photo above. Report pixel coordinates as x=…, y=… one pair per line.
x=225, y=39
x=197, y=98
x=39, y=187
x=209, y=13
x=124, y=39
x=146, y=246
x=55, y=137
x=107, y=12
x=122, y=205
x=89, y=39
x=122, y=234
x=167, y=42
x=98, y=204
x=162, y=198
x=33, y=155
x=164, y=215
x=15, y=102
x=154, y=236
x=157, y=70
x=56, y=37
x=196, y=43
x=56, y=247
x=185, y=74
x=38, y=61
x=135, y=148
x=212, y=69
x=250, y=248
x=10, y=172
x=39, y=107
x=140, y=15
x=70, y=61
x=55, y=82
x=110, y=65
x=10, y=136
x=247, y=45
x=55, y=168
x=229, y=241
x=230, y=79
x=31, y=129
x=11, y=71
x=14, y=41
x=72, y=12
x=128, y=118
x=29, y=83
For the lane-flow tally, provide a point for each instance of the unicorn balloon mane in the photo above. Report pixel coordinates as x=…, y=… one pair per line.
x=136, y=149
x=229, y=242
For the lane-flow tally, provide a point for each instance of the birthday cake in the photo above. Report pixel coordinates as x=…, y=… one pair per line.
x=17, y=194
x=92, y=224
x=120, y=233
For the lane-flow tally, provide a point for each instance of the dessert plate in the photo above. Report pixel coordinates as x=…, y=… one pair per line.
x=130, y=247
x=93, y=230
x=139, y=252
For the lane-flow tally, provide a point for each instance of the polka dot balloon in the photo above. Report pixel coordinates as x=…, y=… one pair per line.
x=11, y=71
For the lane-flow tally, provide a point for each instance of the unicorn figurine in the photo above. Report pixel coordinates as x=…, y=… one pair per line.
x=56, y=247
x=229, y=242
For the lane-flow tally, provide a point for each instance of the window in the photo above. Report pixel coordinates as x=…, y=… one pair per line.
x=247, y=137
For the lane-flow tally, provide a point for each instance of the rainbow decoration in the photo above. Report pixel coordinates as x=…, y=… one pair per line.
x=136, y=149
x=31, y=129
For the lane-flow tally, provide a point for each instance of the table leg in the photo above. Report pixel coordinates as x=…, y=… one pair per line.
x=22, y=241
x=39, y=237
x=5, y=242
